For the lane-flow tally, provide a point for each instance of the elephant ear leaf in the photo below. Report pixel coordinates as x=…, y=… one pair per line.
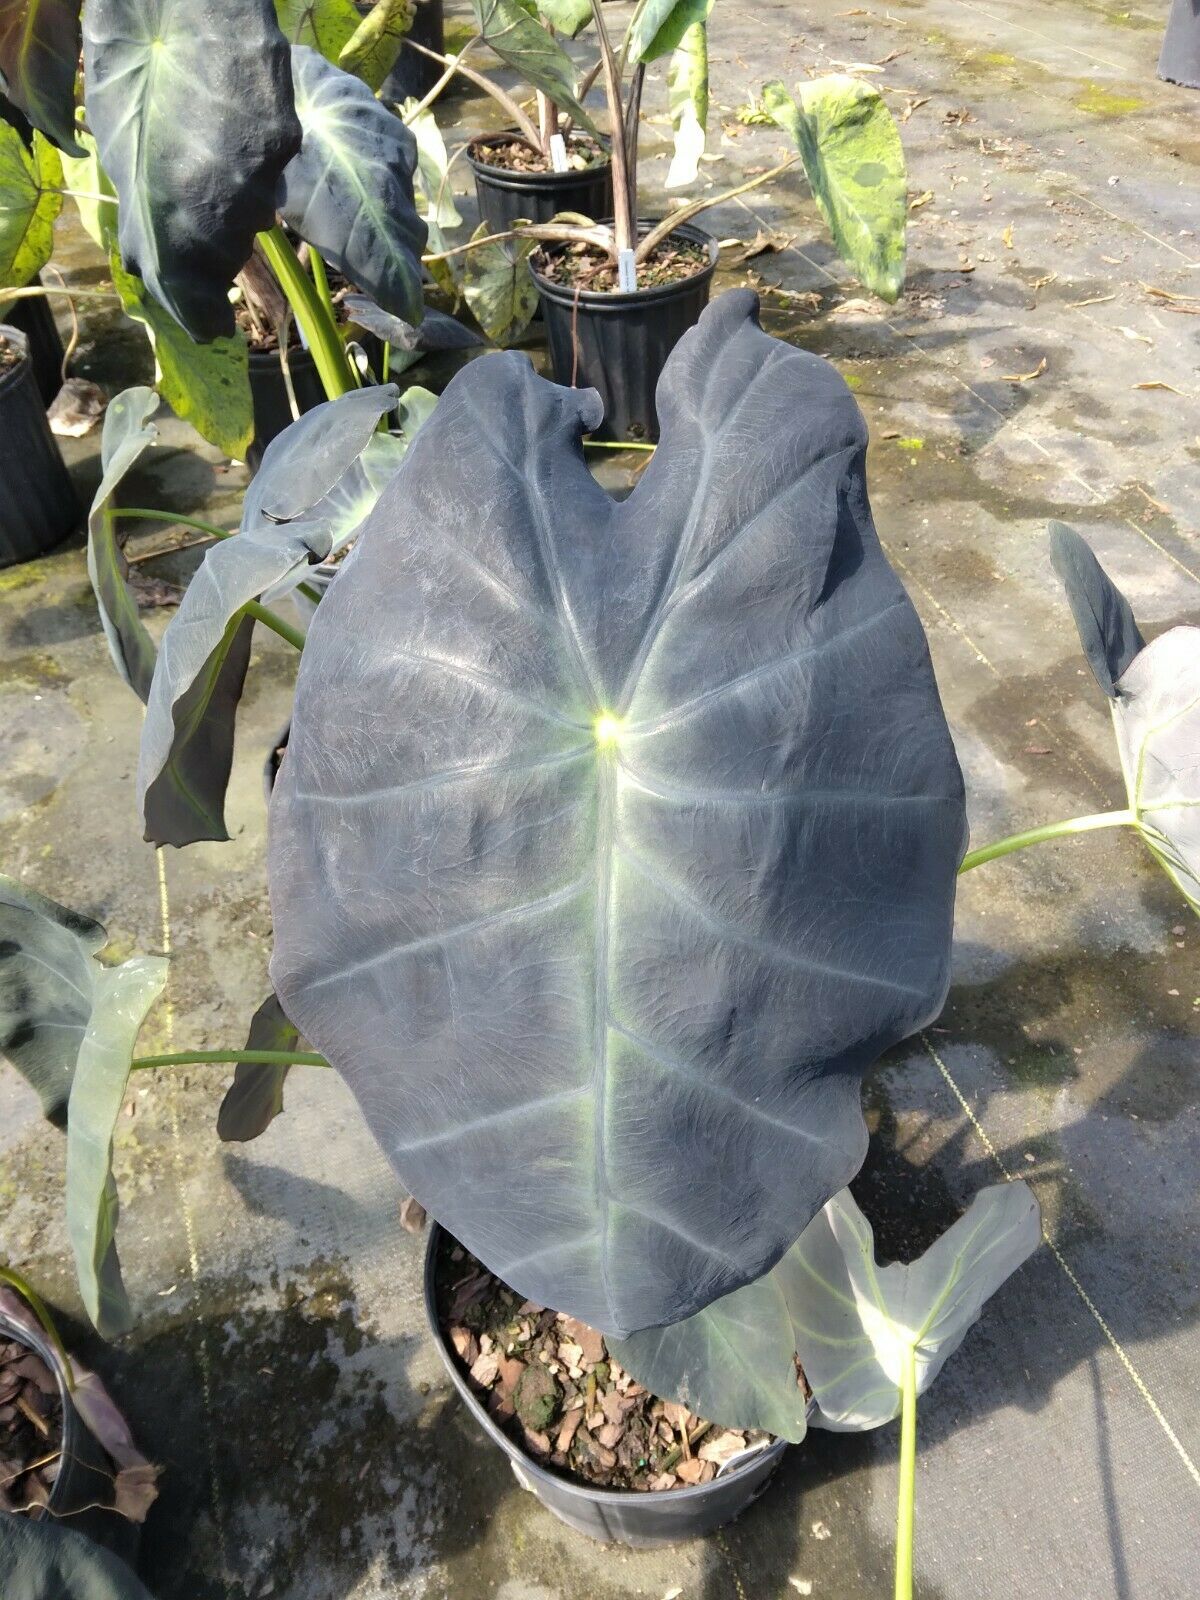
x=349, y=190
x=597, y=772
x=522, y=43
x=47, y=977
x=687, y=102
x=39, y=51
x=498, y=286
x=47, y=1561
x=324, y=25
x=1107, y=630
x=70, y=1025
x=370, y=52
x=848, y=1322
x=127, y=433
x=658, y=26
x=854, y=161
x=187, y=738
x=30, y=199
x=856, y=1322
x=436, y=331
x=255, y=1097
x=1155, y=693
x=192, y=110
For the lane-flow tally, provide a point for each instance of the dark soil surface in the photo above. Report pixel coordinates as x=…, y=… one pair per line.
x=549, y=1381
x=30, y=1429
x=584, y=266
x=11, y=354
x=520, y=156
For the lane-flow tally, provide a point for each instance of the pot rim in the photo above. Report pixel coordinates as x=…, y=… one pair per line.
x=12, y=375
x=502, y=178
x=562, y=294
x=72, y=1423
x=529, y=1464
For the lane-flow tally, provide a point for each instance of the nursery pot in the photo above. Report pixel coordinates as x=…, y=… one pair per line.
x=536, y=196
x=413, y=74
x=36, y=321
x=37, y=501
x=613, y=1516
x=85, y=1474
x=269, y=396
x=618, y=343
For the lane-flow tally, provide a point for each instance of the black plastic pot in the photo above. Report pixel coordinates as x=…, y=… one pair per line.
x=613, y=1516
x=269, y=396
x=36, y=321
x=415, y=74
x=536, y=196
x=38, y=507
x=84, y=1481
x=618, y=343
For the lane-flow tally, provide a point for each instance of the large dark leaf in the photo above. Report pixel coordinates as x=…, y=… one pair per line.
x=1108, y=631
x=349, y=191
x=39, y=52
x=191, y=105
x=187, y=738
x=46, y=1561
x=615, y=841
x=47, y=974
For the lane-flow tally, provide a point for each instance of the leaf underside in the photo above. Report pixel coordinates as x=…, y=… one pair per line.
x=591, y=992
x=192, y=110
x=128, y=433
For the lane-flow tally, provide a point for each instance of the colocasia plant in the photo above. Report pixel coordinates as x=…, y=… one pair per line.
x=845, y=136
x=612, y=845
x=207, y=146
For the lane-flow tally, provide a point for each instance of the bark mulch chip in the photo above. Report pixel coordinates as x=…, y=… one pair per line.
x=30, y=1429
x=550, y=1383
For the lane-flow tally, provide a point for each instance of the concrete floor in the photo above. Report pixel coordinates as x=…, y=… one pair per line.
x=280, y=1369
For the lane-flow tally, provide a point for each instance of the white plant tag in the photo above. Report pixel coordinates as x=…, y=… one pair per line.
x=558, y=153
x=626, y=272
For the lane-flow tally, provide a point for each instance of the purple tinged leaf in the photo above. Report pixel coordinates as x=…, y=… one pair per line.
x=615, y=841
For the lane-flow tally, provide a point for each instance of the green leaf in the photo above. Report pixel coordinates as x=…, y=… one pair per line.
x=30, y=181
x=87, y=177
x=854, y=161
x=499, y=286
x=349, y=191
x=324, y=25
x=208, y=384
x=46, y=973
x=687, y=102
x=191, y=105
x=370, y=53
x=434, y=196
x=658, y=27
x=121, y=998
x=848, y=1321
x=567, y=16
x=187, y=737
x=47, y=1561
x=255, y=1097
x=523, y=44
x=127, y=433
x=39, y=52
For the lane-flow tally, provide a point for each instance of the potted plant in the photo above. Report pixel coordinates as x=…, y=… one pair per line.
x=38, y=507
x=616, y=294
x=70, y=1460
x=283, y=145
x=575, y=954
